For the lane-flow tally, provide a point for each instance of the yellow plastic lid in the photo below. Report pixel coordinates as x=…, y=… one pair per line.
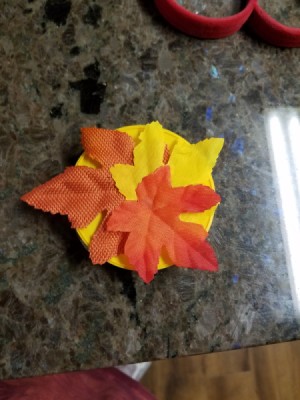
x=204, y=218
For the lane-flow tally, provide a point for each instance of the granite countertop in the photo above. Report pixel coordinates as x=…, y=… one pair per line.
x=112, y=63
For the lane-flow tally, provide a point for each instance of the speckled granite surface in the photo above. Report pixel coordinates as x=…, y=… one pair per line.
x=115, y=63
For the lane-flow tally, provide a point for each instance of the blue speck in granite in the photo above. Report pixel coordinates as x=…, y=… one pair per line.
x=266, y=259
x=235, y=279
x=277, y=212
x=208, y=114
x=231, y=98
x=214, y=73
x=238, y=146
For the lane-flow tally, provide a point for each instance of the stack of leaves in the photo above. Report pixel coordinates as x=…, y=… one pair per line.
x=142, y=190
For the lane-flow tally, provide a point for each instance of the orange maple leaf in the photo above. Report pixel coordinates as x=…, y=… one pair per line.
x=107, y=146
x=153, y=223
x=82, y=193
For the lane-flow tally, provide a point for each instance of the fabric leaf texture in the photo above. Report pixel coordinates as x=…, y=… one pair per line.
x=81, y=193
x=106, y=244
x=107, y=146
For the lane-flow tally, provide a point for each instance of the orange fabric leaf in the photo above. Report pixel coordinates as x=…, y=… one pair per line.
x=106, y=244
x=108, y=147
x=153, y=223
x=81, y=193
x=166, y=155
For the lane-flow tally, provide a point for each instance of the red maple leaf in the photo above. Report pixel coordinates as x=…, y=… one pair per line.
x=152, y=222
x=82, y=193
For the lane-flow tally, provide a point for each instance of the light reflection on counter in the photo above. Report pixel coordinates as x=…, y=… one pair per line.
x=283, y=128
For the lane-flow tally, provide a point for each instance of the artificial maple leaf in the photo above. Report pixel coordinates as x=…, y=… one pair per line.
x=106, y=244
x=149, y=154
x=107, y=146
x=153, y=223
x=82, y=193
x=192, y=164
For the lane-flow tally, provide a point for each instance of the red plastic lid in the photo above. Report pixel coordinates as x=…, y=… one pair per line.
x=200, y=26
x=272, y=31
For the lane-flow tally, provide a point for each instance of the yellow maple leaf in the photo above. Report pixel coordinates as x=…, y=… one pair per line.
x=148, y=156
x=192, y=164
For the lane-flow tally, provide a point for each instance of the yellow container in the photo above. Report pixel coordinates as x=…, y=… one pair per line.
x=86, y=234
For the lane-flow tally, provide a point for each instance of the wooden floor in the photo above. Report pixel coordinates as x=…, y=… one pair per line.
x=262, y=373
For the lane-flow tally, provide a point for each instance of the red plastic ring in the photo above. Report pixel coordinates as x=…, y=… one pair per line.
x=200, y=26
x=272, y=31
